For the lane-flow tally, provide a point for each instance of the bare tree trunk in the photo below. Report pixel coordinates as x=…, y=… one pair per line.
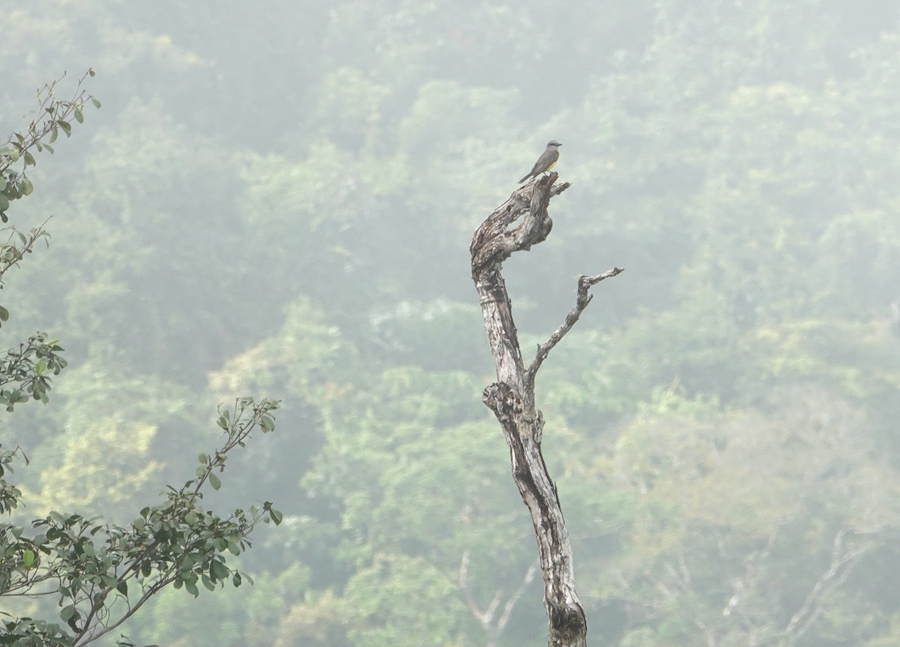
x=511, y=397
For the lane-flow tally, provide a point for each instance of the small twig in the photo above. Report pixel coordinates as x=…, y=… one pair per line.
x=585, y=283
x=12, y=254
x=47, y=121
x=86, y=636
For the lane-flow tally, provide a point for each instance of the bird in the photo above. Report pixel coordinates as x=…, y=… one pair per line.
x=546, y=161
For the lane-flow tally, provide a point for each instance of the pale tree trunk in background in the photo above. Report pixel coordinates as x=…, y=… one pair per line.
x=492, y=625
x=511, y=397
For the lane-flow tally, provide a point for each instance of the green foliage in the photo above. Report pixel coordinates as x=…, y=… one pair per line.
x=25, y=371
x=53, y=115
x=9, y=494
x=281, y=201
x=801, y=477
x=404, y=601
x=88, y=565
x=101, y=574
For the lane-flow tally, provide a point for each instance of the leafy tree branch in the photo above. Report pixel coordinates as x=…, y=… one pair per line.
x=103, y=574
x=100, y=574
x=51, y=116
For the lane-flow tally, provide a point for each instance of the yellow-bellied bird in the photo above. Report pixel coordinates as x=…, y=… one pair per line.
x=546, y=161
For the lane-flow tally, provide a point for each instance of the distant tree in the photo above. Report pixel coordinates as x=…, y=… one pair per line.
x=101, y=574
x=511, y=397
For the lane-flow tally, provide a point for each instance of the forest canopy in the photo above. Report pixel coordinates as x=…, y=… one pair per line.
x=278, y=201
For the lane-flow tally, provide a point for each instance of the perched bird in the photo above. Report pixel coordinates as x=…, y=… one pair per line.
x=546, y=161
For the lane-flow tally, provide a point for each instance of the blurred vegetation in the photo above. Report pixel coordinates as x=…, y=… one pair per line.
x=99, y=572
x=278, y=200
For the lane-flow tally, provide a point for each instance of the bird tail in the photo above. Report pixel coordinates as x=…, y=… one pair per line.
x=525, y=178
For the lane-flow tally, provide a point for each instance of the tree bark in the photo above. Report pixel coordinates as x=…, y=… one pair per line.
x=511, y=397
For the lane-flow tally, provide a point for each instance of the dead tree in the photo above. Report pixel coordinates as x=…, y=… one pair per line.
x=511, y=397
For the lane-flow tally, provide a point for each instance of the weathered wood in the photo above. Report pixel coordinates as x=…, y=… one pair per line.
x=511, y=397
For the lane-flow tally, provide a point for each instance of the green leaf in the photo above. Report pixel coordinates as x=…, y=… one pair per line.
x=67, y=613
x=95, y=102
x=122, y=587
x=27, y=186
x=207, y=582
x=276, y=516
x=4, y=203
x=4, y=314
x=218, y=570
x=202, y=458
x=66, y=127
x=191, y=588
x=29, y=159
x=214, y=481
x=28, y=558
x=78, y=116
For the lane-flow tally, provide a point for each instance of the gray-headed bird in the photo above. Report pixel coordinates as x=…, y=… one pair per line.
x=546, y=161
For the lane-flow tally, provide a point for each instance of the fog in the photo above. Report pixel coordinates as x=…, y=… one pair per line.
x=277, y=198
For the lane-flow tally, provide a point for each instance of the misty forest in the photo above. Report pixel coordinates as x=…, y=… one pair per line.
x=224, y=219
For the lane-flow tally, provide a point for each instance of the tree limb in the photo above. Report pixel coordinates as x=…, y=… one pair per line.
x=585, y=283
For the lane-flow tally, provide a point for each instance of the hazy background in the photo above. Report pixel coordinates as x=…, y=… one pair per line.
x=277, y=198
